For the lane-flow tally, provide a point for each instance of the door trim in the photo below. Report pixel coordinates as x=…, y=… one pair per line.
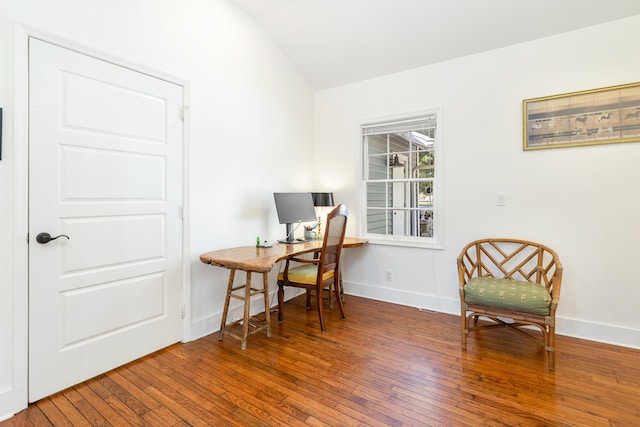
x=22, y=33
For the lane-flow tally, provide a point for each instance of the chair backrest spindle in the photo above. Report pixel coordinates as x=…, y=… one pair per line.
x=333, y=239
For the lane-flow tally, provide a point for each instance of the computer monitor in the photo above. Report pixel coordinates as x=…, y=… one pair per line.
x=293, y=208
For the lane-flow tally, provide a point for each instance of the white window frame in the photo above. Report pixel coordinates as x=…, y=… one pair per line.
x=434, y=242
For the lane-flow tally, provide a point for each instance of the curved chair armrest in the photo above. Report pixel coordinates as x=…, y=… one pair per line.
x=557, y=284
x=304, y=260
x=462, y=276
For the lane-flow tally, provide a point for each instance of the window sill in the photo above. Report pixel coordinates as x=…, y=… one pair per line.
x=404, y=242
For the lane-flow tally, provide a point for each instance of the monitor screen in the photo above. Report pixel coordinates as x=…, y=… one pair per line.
x=294, y=207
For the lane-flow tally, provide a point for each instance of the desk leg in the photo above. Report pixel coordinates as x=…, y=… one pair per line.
x=248, y=292
x=267, y=307
x=232, y=274
x=247, y=306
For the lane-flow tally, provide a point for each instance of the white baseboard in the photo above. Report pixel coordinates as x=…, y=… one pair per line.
x=207, y=325
x=204, y=326
x=411, y=299
x=588, y=330
x=592, y=331
x=7, y=404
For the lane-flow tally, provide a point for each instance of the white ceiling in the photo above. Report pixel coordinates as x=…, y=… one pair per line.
x=334, y=42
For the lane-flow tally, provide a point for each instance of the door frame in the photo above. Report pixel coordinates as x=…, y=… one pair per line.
x=22, y=33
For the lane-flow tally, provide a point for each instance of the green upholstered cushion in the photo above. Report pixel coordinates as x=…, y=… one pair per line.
x=305, y=274
x=508, y=294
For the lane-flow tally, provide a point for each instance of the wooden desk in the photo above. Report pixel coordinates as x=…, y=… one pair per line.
x=258, y=260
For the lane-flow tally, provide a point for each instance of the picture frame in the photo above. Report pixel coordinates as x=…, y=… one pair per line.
x=606, y=115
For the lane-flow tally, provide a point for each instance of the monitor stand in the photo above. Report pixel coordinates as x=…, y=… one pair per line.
x=289, y=239
x=291, y=242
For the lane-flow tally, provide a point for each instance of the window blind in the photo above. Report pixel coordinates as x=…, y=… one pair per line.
x=406, y=125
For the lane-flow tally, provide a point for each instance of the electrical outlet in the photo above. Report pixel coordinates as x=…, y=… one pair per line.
x=501, y=199
x=389, y=275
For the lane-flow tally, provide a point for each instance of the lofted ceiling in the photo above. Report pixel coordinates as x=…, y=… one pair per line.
x=334, y=42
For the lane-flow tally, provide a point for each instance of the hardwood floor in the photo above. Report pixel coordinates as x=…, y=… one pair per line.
x=386, y=365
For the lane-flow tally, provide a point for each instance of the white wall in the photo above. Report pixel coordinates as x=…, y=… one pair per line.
x=582, y=201
x=250, y=110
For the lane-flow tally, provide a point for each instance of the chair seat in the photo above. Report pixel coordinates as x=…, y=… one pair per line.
x=305, y=274
x=508, y=294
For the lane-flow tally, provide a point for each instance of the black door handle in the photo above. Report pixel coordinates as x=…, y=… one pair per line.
x=46, y=237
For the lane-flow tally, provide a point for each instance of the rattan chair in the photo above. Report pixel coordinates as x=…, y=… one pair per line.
x=321, y=272
x=511, y=283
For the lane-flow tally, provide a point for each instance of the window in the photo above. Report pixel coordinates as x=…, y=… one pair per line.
x=401, y=171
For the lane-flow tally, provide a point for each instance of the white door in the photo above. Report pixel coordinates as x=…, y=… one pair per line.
x=105, y=169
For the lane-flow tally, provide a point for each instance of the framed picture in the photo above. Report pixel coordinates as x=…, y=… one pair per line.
x=598, y=116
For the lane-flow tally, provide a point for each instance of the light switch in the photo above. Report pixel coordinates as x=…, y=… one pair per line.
x=501, y=199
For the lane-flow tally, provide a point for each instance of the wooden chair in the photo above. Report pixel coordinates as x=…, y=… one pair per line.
x=510, y=279
x=320, y=272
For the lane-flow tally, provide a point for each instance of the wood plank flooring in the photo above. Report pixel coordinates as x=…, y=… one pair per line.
x=386, y=365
